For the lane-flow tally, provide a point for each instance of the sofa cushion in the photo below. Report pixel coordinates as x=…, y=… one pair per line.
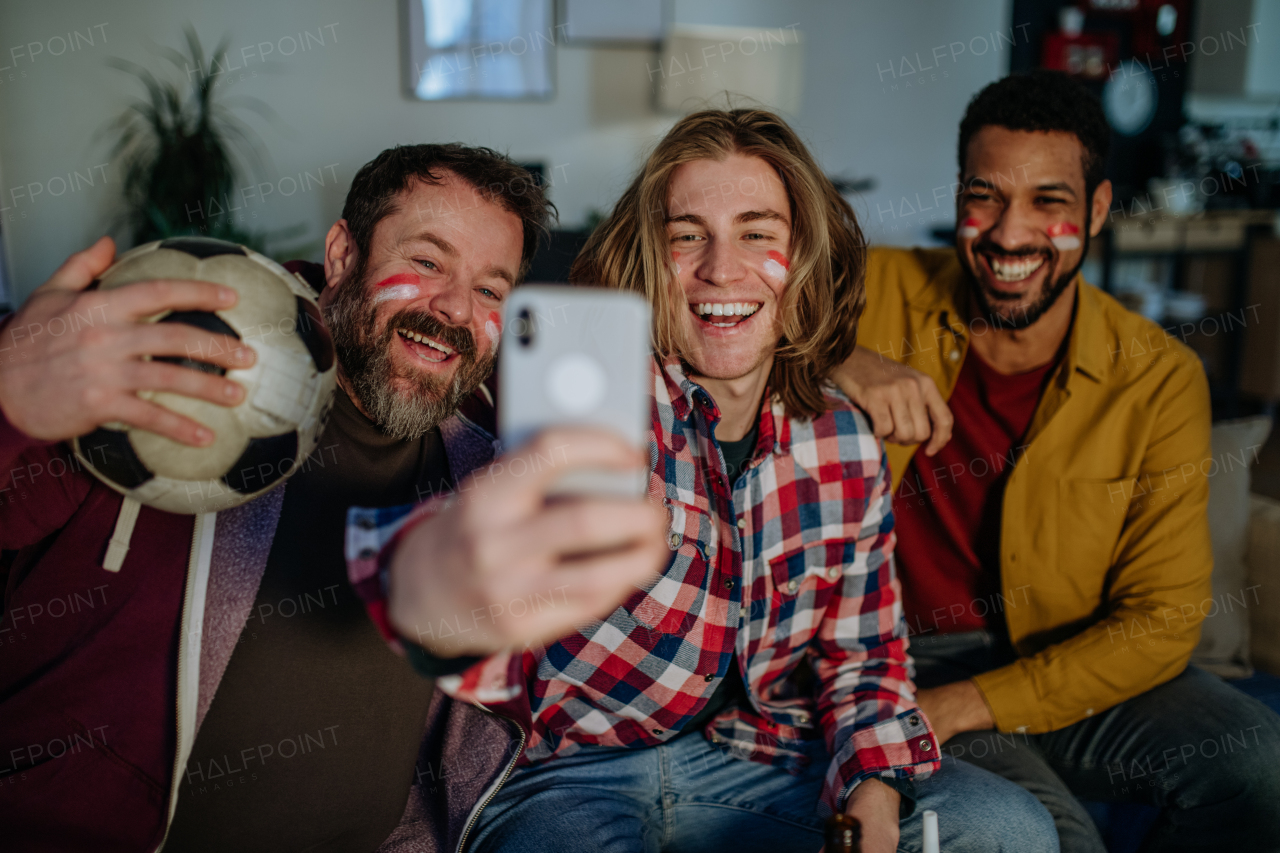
x=1224, y=638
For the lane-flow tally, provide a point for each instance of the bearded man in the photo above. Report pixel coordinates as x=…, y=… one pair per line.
x=1053, y=541
x=291, y=725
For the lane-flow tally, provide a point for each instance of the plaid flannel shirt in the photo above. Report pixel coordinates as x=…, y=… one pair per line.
x=790, y=569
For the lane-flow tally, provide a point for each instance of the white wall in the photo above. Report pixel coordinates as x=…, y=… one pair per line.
x=865, y=112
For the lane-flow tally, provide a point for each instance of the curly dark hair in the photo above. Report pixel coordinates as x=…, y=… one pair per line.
x=496, y=177
x=1042, y=101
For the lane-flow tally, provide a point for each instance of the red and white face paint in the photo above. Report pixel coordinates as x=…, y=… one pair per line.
x=969, y=229
x=776, y=265
x=1064, y=236
x=493, y=328
x=402, y=286
x=675, y=262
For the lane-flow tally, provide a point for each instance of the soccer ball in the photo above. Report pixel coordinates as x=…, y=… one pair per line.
x=288, y=390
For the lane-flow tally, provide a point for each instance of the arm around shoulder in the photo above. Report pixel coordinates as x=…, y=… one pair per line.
x=904, y=405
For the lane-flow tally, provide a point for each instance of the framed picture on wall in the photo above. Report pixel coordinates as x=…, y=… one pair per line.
x=611, y=21
x=480, y=49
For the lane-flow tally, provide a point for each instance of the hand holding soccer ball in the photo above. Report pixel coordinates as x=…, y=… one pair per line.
x=75, y=355
x=197, y=374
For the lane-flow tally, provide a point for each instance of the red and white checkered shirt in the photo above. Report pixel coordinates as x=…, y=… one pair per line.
x=790, y=569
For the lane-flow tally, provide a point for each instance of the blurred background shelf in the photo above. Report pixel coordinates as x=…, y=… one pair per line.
x=1197, y=275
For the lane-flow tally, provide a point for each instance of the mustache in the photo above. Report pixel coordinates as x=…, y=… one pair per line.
x=990, y=248
x=458, y=338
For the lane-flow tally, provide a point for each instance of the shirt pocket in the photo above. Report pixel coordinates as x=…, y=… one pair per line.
x=1091, y=515
x=672, y=603
x=803, y=581
x=824, y=562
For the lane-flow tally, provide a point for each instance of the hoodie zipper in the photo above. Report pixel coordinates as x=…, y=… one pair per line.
x=493, y=792
x=193, y=601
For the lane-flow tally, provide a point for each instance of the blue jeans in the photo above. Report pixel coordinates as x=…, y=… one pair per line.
x=1201, y=750
x=688, y=796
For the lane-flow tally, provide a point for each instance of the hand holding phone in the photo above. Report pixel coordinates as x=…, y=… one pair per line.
x=505, y=542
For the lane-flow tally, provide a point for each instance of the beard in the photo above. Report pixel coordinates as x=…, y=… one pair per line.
x=405, y=403
x=990, y=301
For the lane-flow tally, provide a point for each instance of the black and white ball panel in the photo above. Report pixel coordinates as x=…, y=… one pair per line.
x=209, y=322
x=284, y=378
x=111, y=454
x=265, y=462
x=173, y=459
x=202, y=247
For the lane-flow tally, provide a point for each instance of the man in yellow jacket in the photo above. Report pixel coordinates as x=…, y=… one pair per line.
x=1050, y=481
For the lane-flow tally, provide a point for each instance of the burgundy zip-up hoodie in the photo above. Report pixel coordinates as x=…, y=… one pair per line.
x=89, y=658
x=88, y=674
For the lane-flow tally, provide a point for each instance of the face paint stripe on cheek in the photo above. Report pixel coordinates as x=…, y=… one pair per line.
x=493, y=328
x=1065, y=236
x=776, y=265
x=397, y=287
x=399, y=291
x=398, y=278
x=969, y=229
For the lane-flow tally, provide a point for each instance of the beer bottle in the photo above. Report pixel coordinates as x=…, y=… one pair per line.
x=844, y=834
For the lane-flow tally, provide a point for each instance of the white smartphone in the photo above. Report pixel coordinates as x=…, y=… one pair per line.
x=576, y=356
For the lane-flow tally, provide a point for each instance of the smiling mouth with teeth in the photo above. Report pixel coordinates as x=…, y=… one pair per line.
x=424, y=347
x=724, y=314
x=1010, y=270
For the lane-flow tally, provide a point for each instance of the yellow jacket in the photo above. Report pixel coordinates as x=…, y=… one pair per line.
x=1104, y=546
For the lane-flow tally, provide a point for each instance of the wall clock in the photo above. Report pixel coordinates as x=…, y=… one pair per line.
x=1130, y=98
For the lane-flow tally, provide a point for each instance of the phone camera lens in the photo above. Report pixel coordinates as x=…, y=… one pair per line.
x=524, y=327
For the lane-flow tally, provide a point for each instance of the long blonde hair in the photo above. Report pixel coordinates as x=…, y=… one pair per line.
x=824, y=297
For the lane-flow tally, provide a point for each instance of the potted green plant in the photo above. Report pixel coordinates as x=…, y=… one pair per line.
x=182, y=151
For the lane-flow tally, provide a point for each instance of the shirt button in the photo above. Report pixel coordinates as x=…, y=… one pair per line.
x=1088, y=712
x=657, y=731
x=728, y=583
x=711, y=676
x=793, y=585
x=833, y=572
x=925, y=745
x=674, y=541
x=367, y=553
x=954, y=355
x=913, y=720
x=742, y=524
x=365, y=523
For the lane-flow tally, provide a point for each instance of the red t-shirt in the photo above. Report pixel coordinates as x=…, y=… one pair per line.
x=948, y=506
